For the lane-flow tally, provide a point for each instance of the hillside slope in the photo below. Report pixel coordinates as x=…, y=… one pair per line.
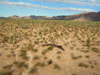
x=91, y=16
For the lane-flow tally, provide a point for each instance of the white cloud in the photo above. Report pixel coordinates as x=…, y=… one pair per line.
x=78, y=2
x=22, y=4
x=76, y=9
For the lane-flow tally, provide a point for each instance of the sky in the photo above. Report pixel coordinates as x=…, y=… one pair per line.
x=47, y=7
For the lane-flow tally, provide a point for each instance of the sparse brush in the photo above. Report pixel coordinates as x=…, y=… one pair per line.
x=8, y=66
x=83, y=65
x=56, y=66
x=71, y=47
x=58, y=57
x=31, y=47
x=35, y=50
x=95, y=50
x=23, y=54
x=20, y=64
x=33, y=70
x=36, y=57
x=75, y=57
x=5, y=73
x=36, y=42
x=5, y=39
x=44, y=51
x=87, y=56
x=92, y=66
x=88, y=42
x=59, y=52
x=45, y=57
x=41, y=64
x=50, y=48
x=49, y=62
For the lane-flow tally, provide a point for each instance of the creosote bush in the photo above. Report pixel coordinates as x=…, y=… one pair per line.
x=33, y=70
x=20, y=64
x=5, y=73
x=56, y=66
x=83, y=65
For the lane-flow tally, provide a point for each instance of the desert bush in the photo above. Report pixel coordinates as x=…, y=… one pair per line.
x=83, y=65
x=49, y=62
x=75, y=57
x=23, y=54
x=95, y=49
x=33, y=70
x=41, y=64
x=5, y=73
x=56, y=66
x=20, y=64
x=36, y=57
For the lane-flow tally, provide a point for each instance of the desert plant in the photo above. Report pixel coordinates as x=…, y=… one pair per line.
x=50, y=48
x=23, y=54
x=58, y=57
x=5, y=73
x=5, y=39
x=41, y=64
x=49, y=62
x=35, y=50
x=36, y=57
x=45, y=57
x=75, y=57
x=59, y=52
x=33, y=70
x=7, y=66
x=31, y=47
x=95, y=49
x=83, y=65
x=87, y=56
x=20, y=64
x=56, y=66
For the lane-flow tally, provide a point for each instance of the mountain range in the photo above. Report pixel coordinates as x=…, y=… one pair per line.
x=85, y=16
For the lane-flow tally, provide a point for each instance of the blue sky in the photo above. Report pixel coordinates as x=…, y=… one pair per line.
x=47, y=7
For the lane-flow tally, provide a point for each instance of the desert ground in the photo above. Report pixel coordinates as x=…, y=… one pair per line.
x=24, y=48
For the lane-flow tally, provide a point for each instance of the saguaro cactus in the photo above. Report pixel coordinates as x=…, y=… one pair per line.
x=12, y=30
x=14, y=34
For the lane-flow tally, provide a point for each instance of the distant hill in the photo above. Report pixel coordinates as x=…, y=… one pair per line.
x=15, y=16
x=34, y=17
x=90, y=16
x=2, y=17
x=85, y=16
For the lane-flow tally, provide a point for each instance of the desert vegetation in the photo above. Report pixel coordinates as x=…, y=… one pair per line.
x=22, y=51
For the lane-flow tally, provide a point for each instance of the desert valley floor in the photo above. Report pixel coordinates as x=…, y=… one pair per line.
x=22, y=51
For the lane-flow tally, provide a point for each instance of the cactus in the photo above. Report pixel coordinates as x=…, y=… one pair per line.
x=12, y=29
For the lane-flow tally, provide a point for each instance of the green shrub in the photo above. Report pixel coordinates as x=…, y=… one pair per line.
x=95, y=49
x=56, y=66
x=20, y=64
x=36, y=57
x=5, y=39
x=23, y=54
x=33, y=70
x=5, y=73
x=35, y=50
x=75, y=57
x=41, y=64
x=49, y=62
x=50, y=48
x=83, y=65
